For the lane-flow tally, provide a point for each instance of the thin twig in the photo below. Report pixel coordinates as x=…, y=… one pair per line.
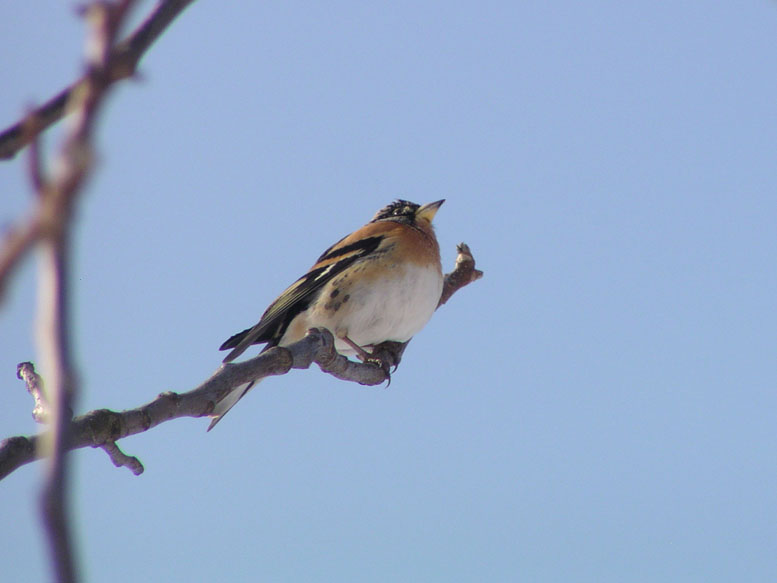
x=463, y=274
x=121, y=459
x=17, y=242
x=124, y=62
x=57, y=197
x=26, y=372
x=54, y=349
x=32, y=129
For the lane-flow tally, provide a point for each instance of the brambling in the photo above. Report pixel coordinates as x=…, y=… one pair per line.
x=382, y=282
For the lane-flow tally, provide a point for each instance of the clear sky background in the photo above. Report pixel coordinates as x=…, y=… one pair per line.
x=600, y=407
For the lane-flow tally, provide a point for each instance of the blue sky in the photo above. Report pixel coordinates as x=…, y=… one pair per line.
x=600, y=407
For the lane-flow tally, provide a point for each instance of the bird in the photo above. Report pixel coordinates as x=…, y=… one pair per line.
x=382, y=282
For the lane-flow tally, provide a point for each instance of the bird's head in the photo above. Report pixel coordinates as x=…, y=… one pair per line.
x=408, y=212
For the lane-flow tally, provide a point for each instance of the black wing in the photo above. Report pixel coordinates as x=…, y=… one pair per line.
x=298, y=296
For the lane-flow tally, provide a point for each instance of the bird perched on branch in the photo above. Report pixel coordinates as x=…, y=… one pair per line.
x=382, y=282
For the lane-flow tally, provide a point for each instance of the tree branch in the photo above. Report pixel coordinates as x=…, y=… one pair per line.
x=121, y=63
x=463, y=273
x=124, y=62
x=103, y=428
x=57, y=195
x=26, y=372
x=122, y=460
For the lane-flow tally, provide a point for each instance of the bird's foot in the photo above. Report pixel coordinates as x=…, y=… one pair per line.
x=381, y=356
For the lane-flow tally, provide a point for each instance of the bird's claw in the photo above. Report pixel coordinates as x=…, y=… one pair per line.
x=383, y=365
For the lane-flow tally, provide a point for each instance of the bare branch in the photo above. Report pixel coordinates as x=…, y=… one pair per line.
x=122, y=460
x=124, y=62
x=57, y=196
x=16, y=452
x=463, y=273
x=17, y=241
x=32, y=128
x=26, y=372
x=54, y=348
x=103, y=427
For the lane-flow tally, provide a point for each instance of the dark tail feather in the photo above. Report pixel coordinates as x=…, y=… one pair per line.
x=233, y=341
x=239, y=342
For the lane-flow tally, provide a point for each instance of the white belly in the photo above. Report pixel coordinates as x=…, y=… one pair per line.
x=395, y=307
